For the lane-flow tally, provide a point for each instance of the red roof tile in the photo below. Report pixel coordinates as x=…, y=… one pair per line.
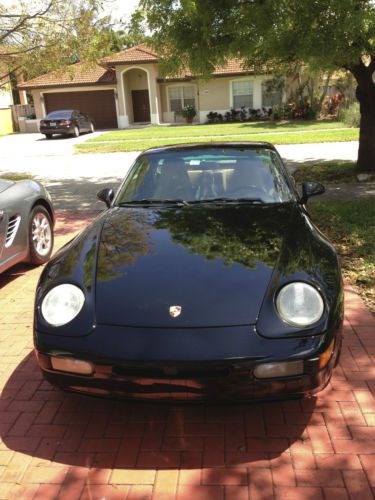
x=75, y=75
x=139, y=53
x=81, y=74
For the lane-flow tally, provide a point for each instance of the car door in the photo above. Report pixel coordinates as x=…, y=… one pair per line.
x=3, y=227
x=87, y=121
x=82, y=122
x=13, y=236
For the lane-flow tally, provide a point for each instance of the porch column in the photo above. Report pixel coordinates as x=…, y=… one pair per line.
x=123, y=118
x=154, y=96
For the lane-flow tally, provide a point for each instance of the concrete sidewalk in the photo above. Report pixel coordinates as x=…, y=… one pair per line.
x=56, y=445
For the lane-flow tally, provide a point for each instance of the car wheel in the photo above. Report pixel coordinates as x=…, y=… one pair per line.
x=91, y=128
x=76, y=132
x=40, y=235
x=48, y=136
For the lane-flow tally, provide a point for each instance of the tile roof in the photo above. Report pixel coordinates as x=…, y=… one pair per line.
x=75, y=75
x=81, y=74
x=139, y=53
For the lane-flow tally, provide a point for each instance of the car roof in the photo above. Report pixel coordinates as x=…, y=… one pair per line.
x=211, y=145
x=63, y=111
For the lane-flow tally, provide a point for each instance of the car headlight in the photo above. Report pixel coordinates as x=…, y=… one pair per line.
x=299, y=304
x=62, y=304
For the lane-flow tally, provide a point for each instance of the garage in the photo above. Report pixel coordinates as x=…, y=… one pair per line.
x=97, y=104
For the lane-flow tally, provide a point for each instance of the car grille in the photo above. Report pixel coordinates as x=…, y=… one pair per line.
x=176, y=371
x=13, y=225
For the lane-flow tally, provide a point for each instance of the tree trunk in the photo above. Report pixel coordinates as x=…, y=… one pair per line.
x=365, y=94
x=366, y=150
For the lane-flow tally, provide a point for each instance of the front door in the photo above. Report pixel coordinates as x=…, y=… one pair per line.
x=141, y=106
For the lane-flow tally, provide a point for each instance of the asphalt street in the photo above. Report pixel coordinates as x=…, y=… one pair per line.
x=74, y=179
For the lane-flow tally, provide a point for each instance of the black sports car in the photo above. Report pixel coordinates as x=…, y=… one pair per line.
x=68, y=122
x=204, y=278
x=26, y=223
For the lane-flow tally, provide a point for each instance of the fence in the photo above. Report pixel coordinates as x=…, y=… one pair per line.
x=21, y=110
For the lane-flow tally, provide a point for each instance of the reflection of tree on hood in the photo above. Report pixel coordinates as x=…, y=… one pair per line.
x=123, y=240
x=238, y=235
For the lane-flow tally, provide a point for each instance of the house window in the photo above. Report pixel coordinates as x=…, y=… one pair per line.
x=179, y=97
x=271, y=96
x=242, y=91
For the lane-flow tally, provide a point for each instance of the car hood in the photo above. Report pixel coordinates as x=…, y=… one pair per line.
x=214, y=262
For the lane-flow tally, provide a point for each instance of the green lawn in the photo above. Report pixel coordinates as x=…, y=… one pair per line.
x=171, y=132
x=17, y=177
x=350, y=225
x=276, y=133
x=327, y=171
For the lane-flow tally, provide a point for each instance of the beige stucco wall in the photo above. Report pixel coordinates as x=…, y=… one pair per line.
x=212, y=95
x=126, y=78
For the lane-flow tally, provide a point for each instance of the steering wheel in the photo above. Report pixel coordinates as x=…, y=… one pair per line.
x=255, y=190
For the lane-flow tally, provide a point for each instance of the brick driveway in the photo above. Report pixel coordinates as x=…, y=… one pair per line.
x=57, y=445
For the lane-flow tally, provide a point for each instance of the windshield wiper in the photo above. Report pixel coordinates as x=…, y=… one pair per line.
x=255, y=201
x=153, y=201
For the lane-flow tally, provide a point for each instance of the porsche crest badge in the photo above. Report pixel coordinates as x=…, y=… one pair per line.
x=175, y=311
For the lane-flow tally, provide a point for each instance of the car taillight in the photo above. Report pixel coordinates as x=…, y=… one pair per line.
x=42, y=123
x=66, y=122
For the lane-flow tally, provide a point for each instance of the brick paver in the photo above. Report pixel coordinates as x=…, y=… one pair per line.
x=59, y=445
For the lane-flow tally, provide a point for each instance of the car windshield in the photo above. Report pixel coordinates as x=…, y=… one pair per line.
x=207, y=175
x=56, y=115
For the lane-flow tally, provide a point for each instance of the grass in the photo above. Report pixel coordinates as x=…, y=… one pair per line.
x=177, y=131
x=17, y=177
x=328, y=171
x=350, y=226
x=292, y=137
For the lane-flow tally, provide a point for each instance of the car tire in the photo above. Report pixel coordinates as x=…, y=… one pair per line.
x=40, y=236
x=76, y=132
x=48, y=136
x=92, y=129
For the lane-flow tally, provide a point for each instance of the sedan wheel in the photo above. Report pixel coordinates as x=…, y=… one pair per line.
x=76, y=132
x=91, y=128
x=48, y=136
x=40, y=236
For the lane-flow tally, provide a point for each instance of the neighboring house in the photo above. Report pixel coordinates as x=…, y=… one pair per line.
x=126, y=88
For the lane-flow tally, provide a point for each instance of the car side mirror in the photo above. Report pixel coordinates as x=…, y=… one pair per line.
x=106, y=195
x=311, y=189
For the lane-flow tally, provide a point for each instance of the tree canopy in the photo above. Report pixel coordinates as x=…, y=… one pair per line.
x=323, y=34
x=39, y=36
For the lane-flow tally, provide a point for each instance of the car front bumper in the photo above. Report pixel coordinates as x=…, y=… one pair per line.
x=206, y=377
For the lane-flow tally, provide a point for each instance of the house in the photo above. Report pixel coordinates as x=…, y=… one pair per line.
x=126, y=88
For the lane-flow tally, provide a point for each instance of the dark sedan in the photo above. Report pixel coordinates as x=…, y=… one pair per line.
x=68, y=122
x=204, y=278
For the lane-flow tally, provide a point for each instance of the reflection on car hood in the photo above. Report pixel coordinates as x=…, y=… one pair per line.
x=213, y=261
x=5, y=184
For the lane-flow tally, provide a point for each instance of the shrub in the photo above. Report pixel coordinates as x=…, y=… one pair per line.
x=188, y=111
x=351, y=115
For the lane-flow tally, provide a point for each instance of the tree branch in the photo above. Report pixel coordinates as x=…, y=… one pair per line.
x=25, y=19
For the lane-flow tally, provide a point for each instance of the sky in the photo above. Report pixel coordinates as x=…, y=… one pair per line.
x=123, y=8
x=119, y=8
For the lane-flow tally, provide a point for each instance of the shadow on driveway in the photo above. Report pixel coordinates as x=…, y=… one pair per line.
x=94, y=440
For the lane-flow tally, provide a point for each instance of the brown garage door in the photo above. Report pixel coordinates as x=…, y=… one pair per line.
x=97, y=104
